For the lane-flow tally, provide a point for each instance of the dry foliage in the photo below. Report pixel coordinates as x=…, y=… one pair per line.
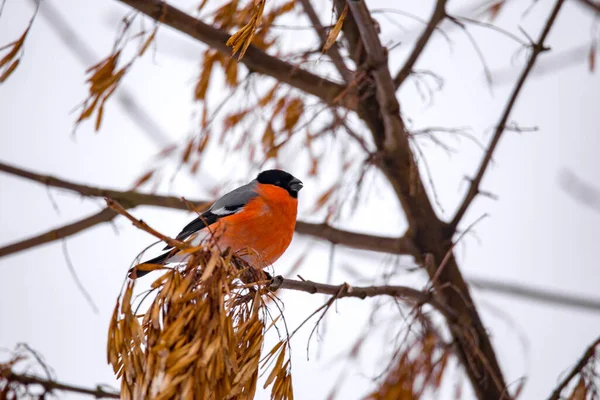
x=14, y=52
x=25, y=375
x=335, y=31
x=105, y=76
x=584, y=378
x=10, y=389
x=201, y=337
x=419, y=364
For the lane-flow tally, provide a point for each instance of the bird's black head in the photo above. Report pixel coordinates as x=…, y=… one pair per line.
x=282, y=179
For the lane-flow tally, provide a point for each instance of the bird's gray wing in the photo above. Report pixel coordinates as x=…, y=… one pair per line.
x=229, y=204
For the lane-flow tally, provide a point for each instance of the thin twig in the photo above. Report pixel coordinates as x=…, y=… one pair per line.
x=594, y=6
x=78, y=283
x=333, y=51
x=589, y=353
x=144, y=226
x=552, y=298
x=51, y=385
x=362, y=292
x=439, y=13
x=537, y=48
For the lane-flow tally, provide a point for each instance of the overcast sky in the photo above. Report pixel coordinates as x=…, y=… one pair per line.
x=535, y=234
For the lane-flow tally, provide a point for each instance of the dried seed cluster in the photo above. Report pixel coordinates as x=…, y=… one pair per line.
x=201, y=337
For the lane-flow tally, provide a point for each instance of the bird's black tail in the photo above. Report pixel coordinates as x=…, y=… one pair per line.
x=135, y=273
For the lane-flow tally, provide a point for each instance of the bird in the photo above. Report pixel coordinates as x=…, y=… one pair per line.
x=256, y=220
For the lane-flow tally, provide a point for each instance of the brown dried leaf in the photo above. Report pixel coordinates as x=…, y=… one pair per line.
x=231, y=72
x=232, y=120
x=293, y=111
x=276, y=369
x=580, y=391
x=203, y=142
x=266, y=99
x=324, y=198
x=148, y=42
x=149, y=267
x=240, y=40
x=335, y=31
x=268, y=137
x=188, y=150
x=8, y=71
x=99, y=115
x=143, y=179
x=494, y=10
x=15, y=47
x=203, y=81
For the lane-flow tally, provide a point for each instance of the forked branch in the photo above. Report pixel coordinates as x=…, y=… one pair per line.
x=439, y=13
x=536, y=49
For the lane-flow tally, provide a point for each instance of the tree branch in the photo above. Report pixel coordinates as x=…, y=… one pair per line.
x=362, y=292
x=430, y=235
x=439, y=13
x=50, y=385
x=589, y=353
x=537, y=48
x=361, y=241
x=395, y=135
x=594, y=6
x=130, y=199
x=333, y=51
x=256, y=60
x=105, y=215
x=536, y=294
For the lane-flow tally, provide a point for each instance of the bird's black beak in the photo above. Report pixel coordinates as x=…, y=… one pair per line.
x=295, y=185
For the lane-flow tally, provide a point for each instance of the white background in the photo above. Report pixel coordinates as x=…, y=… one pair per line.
x=536, y=233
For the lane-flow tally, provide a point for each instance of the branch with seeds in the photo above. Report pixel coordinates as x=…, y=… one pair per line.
x=256, y=60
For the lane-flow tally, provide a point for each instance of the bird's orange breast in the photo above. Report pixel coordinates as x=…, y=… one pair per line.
x=263, y=230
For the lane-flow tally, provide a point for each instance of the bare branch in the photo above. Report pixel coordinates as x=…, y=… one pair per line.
x=105, y=215
x=439, y=13
x=580, y=190
x=594, y=6
x=51, y=385
x=130, y=199
x=115, y=206
x=536, y=294
x=345, y=290
x=428, y=232
x=256, y=60
x=536, y=49
x=589, y=353
x=395, y=137
x=333, y=51
x=400, y=245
